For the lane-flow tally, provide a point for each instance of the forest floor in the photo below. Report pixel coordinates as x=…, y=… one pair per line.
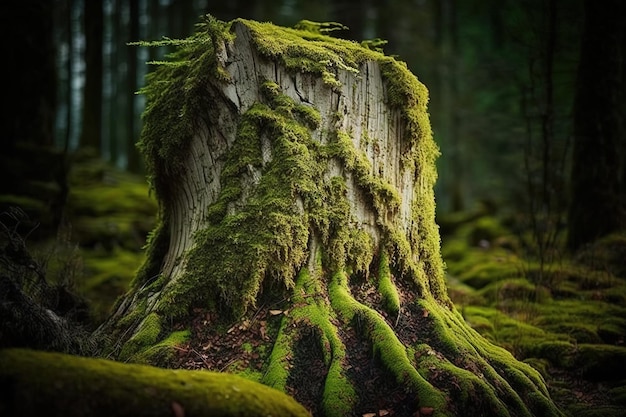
x=566, y=316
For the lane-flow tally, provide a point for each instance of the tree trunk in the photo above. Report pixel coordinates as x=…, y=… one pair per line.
x=297, y=243
x=598, y=202
x=132, y=154
x=91, y=134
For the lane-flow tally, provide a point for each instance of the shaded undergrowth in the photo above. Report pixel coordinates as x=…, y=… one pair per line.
x=567, y=319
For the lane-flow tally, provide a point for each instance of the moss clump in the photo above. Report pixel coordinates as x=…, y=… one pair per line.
x=146, y=336
x=51, y=384
x=386, y=287
x=385, y=343
x=338, y=396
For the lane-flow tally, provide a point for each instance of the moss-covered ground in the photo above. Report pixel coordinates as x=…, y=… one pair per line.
x=53, y=384
x=99, y=246
x=566, y=318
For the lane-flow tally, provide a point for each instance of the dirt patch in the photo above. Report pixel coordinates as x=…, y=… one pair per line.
x=306, y=379
x=215, y=347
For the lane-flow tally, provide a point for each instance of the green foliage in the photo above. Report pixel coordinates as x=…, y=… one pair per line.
x=319, y=27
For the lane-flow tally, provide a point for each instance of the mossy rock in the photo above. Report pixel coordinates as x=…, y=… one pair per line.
x=512, y=289
x=601, y=362
x=493, y=270
x=53, y=384
x=606, y=254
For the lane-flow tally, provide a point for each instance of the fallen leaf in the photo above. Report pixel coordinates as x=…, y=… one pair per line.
x=426, y=411
x=369, y=415
x=276, y=312
x=383, y=412
x=178, y=409
x=426, y=313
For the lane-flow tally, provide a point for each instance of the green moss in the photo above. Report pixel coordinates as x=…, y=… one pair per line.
x=481, y=275
x=277, y=370
x=510, y=289
x=387, y=288
x=384, y=196
x=107, y=276
x=520, y=386
x=162, y=352
x=127, y=196
x=73, y=386
x=384, y=341
x=146, y=336
x=517, y=336
x=338, y=397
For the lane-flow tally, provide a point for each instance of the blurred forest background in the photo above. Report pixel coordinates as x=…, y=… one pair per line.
x=501, y=76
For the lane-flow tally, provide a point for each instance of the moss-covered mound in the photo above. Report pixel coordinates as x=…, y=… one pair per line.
x=51, y=384
x=110, y=213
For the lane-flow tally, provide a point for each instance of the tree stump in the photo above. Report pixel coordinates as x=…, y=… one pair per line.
x=297, y=243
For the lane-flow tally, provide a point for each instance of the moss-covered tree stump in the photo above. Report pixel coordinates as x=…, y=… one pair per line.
x=297, y=243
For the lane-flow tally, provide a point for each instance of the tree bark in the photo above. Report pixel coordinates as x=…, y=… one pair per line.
x=598, y=203
x=297, y=242
x=91, y=134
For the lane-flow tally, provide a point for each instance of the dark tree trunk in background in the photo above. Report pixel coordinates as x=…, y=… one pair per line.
x=32, y=174
x=597, y=200
x=448, y=109
x=352, y=14
x=29, y=87
x=134, y=163
x=91, y=134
